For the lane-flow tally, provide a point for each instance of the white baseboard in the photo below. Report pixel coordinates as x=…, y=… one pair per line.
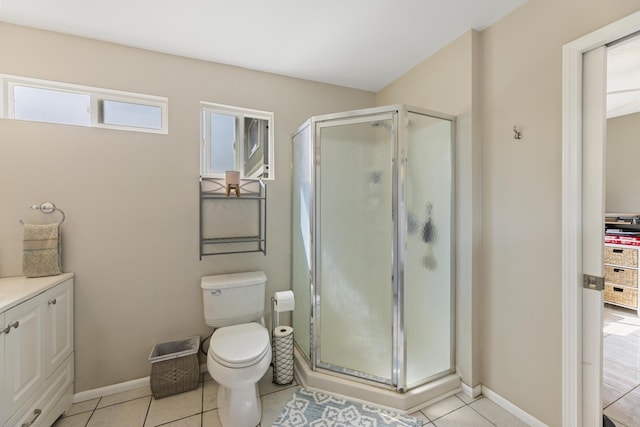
x=511, y=408
x=471, y=392
x=118, y=388
x=110, y=389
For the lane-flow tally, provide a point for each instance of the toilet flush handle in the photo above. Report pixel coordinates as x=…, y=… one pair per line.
x=216, y=292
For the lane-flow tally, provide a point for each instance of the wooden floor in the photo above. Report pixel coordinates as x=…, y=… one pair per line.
x=621, y=368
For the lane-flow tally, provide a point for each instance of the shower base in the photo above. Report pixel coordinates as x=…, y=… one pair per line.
x=354, y=389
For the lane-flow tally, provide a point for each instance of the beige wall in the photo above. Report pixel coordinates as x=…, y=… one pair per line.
x=522, y=76
x=519, y=73
x=623, y=173
x=131, y=199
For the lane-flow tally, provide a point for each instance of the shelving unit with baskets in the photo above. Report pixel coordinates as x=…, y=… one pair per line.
x=232, y=224
x=622, y=243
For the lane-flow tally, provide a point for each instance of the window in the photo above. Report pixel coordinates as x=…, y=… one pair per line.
x=119, y=113
x=53, y=106
x=236, y=138
x=62, y=103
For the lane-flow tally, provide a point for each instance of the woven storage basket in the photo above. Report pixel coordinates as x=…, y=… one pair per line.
x=621, y=276
x=627, y=257
x=174, y=367
x=618, y=295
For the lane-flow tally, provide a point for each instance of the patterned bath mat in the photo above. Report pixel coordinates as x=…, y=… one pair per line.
x=315, y=409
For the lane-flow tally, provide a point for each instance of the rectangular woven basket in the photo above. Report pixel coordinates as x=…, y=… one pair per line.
x=174, y=367
x=174, y=376
x=619, y=295
x=621, y=276
x=627, y=257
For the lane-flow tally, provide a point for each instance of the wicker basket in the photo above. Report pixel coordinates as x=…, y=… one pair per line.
x=619, y=295
x=174, y=367
x=621, y=276
x=627, y=257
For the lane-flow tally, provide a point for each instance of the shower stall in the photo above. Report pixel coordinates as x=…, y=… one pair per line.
x=372, y=267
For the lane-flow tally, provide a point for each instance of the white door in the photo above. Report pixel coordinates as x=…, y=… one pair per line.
x=593, y=151
x=582, y=178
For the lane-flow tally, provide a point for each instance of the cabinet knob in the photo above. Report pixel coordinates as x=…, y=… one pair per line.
x=52, y=301
x=13, y=325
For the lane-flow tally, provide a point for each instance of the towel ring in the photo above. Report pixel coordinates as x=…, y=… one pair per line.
x=47, y=207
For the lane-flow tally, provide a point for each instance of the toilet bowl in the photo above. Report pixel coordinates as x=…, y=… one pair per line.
x=238, y=357
x=239, y=350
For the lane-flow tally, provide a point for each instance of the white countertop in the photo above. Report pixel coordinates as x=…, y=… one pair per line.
x=14, y=290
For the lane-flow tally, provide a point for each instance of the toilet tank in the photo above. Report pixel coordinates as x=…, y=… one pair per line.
x=231, y=299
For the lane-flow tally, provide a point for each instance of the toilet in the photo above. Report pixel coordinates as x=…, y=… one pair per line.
x=239, y=350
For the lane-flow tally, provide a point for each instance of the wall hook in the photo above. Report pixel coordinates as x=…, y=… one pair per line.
x=516, y=133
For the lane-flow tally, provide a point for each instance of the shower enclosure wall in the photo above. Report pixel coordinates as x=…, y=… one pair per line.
x=373, y=247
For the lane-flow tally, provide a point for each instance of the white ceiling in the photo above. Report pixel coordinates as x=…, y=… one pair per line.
x=623, y=78
x=364, y=44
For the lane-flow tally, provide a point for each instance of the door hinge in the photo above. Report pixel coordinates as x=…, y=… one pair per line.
x=595, y=283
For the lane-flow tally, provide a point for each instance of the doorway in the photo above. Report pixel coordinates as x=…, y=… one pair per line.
x=582, y=214
x=621, y=332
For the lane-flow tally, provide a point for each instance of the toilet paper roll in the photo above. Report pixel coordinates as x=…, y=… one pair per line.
x=284, y=301
x=282, y=331
x=283, y=355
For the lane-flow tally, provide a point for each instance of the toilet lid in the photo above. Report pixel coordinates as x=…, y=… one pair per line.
x=241, y=345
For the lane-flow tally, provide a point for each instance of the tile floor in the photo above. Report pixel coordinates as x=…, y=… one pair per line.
x=137, y=408
x=621, y=367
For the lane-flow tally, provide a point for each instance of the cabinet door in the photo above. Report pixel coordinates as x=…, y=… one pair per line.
x=24, y=352
x=3, y=411
x=59, y=324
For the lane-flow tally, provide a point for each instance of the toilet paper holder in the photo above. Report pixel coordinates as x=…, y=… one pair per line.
x=281, y=301
x=282, y=347
x=275, y=318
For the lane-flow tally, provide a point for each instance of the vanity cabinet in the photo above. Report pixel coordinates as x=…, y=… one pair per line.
x=24, y=358
x=3, y=409
x=38, y=350
x=59, y=325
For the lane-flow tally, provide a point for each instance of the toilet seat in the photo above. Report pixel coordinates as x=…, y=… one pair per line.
x=239, y=346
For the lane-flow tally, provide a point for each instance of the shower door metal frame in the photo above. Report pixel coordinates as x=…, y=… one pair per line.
x=400, y=145
x=339, y=119
x=310, y=125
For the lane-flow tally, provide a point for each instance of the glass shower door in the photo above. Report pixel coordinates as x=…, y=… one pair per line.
x=302, y=255
x=355, y=224
x=428, y=248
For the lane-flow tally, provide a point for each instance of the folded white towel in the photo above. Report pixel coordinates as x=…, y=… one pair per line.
x=41, y=250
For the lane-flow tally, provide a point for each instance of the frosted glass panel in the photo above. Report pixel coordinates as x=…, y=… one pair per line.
x=428, y=260
x=356, y=241
x=51, y=106
x=132, y=115
x=301, y=239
